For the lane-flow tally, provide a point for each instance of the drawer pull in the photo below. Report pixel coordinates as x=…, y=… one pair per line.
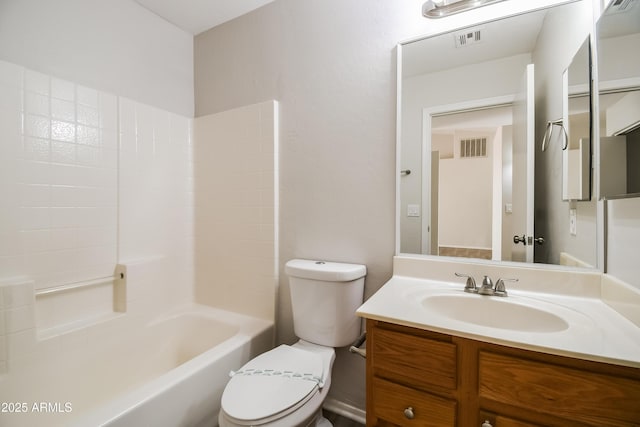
x=408, y=412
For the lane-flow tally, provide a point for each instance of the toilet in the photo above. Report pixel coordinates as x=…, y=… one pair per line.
x=286, y=386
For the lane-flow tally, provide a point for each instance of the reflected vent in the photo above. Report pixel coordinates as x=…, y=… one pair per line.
x=620, y=6
x=473, y=147
x=468, y=37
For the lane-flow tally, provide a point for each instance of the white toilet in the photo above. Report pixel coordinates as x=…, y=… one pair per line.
x=286, y=386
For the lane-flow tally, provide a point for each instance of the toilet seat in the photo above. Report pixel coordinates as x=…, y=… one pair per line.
x=275, y=383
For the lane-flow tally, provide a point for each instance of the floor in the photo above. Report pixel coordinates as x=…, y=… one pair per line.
x=339, y=421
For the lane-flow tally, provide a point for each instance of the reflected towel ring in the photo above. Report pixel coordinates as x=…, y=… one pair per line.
x=549, y=130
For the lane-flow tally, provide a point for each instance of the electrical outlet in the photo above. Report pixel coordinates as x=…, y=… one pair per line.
x=573, y=222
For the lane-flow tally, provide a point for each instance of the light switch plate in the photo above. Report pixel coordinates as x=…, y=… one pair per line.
x=413, y=210
x=573, y=222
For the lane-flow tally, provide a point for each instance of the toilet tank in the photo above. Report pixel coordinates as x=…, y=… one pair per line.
x=324, y=299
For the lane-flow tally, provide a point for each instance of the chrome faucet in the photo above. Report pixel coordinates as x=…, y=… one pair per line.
x=487, y=287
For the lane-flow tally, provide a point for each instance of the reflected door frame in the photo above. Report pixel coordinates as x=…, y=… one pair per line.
x=427, y=116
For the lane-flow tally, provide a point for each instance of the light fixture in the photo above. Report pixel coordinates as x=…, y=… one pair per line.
x=442, y=8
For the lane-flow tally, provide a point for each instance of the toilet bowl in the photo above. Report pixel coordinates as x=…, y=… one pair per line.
x=286, y=386
x=283, y=387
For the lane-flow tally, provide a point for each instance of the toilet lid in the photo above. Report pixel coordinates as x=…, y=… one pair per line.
x=272, y=383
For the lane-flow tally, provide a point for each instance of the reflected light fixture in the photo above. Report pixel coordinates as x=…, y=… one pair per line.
x=442, y=8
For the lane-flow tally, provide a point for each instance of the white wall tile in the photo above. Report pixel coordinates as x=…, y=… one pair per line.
x=35, y=218
x=89, y=116
x=18, y=294
x=63, y=238
x=87, y=96
x=63, y=131
x=63, y=110
x=37, y=149
x=63, y=90
x=59, y=194
x=19, y=318
x=235, y=196
x=64, y=152
x=35, y=240
x=37, y=82
x=33, y=172
x=36, y=103
x=20, y=344
x=37, y=126
x=34, y=195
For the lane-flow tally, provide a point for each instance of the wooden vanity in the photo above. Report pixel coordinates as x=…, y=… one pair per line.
x=420, y=378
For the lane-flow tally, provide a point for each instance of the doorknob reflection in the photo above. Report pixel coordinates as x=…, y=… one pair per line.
x=520, y=239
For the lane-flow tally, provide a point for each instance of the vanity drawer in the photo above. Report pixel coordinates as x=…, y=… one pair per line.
x=390, y=401
x=584, y=396
x=412, y=359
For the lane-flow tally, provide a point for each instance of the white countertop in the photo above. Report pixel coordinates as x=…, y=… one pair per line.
x=595, y=331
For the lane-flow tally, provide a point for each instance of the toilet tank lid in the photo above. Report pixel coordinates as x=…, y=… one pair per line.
x=324, y=270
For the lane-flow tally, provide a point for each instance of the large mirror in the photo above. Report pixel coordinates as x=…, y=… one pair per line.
x=618, y=41
x=467, y=139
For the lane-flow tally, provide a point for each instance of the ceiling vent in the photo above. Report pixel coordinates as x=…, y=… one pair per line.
x=620, y=6
x=469, y=37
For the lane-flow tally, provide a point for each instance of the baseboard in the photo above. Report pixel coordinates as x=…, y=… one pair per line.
x=345, y=410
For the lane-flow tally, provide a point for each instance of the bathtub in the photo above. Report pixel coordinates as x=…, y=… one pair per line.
x=167, y=372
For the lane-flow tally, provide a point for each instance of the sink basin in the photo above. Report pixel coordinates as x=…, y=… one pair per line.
x=494, y=312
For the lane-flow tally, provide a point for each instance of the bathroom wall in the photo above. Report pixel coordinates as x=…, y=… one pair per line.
x=623, y=240
x=562, y=37
x=236, y=209
x=115, y=46
x=331, y=65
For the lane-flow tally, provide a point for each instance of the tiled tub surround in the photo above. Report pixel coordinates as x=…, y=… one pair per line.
x=58, y=178
x=603, y=322
x=89, y=180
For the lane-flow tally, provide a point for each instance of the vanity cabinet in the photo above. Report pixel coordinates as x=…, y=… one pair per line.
x=421, y=378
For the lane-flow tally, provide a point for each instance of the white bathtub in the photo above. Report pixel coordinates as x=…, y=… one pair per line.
x=170, y=372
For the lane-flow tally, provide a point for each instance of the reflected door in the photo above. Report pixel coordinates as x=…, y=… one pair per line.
x=523, y=166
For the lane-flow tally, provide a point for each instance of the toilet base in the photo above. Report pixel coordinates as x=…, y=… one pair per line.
x=323, y=422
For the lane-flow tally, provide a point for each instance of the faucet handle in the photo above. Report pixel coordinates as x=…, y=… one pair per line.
x=470, y=286
x=501, y=290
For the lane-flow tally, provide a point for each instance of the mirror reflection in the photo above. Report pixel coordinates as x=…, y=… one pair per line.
x=467, y=138
x=576, y=158
x=618, y=38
